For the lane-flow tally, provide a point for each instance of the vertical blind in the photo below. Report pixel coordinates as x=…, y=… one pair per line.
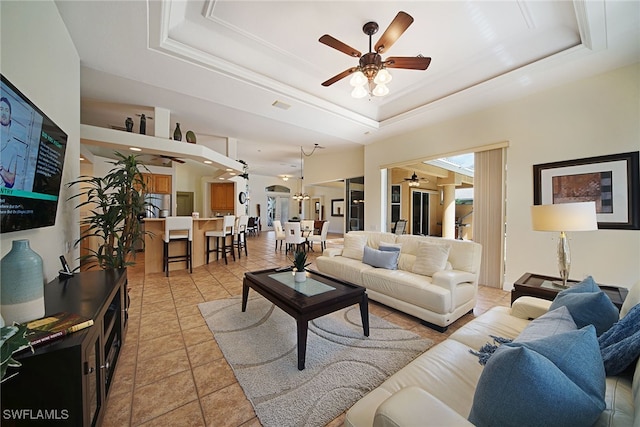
x=489, y=212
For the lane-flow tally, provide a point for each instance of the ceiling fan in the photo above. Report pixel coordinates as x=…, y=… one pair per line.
x=173, y=159
x=371, y=69
x=414, y=181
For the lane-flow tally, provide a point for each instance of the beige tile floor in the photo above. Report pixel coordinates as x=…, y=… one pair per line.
x=171, y=371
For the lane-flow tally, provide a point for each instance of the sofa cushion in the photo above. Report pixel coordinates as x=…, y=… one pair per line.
x=620, y=345
x=354, y=246
x=588, y=305
x=381, y=259
x=556, y=380
x=431, y=257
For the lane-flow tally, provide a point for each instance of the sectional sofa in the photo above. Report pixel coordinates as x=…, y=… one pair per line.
x=431, y=278
x=447, y=386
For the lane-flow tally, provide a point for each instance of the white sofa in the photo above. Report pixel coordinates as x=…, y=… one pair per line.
x=437, y=388
x=438, y=299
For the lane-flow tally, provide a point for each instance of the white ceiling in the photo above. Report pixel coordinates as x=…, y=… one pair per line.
x=218, y=66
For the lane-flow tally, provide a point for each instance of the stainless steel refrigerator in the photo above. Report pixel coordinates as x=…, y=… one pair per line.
x=158, y=205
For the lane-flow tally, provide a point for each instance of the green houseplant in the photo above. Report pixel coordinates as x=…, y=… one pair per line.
x=299, y=265
x=116, y=201
x=12, y=340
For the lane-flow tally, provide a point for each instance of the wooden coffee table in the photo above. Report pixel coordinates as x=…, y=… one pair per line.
x=317, y=296
x=545, y=287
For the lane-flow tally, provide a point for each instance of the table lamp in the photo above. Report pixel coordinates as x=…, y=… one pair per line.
x=564, y=217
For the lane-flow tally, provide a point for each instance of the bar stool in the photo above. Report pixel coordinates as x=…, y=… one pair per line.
x=240, y=235
x=228, y=223
x=177, y=229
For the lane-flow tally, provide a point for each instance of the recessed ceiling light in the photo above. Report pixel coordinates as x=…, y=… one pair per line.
x=221, y=178
x=232, y=173
x=229, y=170
x=208, y=162
x=81, y=158
x=135, y=149
x=281, y=105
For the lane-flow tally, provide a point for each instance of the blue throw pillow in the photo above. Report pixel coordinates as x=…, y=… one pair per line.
x=381, y=259
x=588, y=305
x=390, y=247
x=620, y=345
x=557, y=380
x=553, y=322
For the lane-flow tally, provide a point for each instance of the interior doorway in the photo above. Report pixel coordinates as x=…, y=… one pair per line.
x=277, y=209
x=184, y=201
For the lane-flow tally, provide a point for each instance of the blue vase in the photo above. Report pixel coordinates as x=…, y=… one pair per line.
x=22, y=284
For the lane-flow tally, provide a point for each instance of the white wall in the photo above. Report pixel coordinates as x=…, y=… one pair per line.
x=39, y=58
x=591, y=117
x=333, y=166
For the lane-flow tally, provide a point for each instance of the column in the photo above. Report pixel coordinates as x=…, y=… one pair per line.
x=449, y=211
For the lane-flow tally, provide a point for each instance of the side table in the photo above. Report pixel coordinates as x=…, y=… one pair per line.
x=537, y=285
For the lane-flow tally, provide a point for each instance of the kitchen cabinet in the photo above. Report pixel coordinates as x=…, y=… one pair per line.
x=70, y=378
x=223, y=197
x=157, y=183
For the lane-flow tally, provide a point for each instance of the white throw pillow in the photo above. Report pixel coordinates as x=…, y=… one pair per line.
x=354, y=245
x=431, y=257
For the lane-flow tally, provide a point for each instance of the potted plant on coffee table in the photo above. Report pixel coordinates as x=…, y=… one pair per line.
x=299, y=266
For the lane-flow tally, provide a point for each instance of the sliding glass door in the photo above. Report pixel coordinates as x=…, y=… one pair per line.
x=420, y=212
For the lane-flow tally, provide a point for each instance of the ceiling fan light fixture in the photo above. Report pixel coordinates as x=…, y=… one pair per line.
x=383, y=77
x=414, y=183
x=380, y=90
x=359, y=92
x=358, y=79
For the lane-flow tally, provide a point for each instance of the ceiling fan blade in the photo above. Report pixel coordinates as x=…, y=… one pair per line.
x=337, y=44
x=408, y=62
x=398, y=26
x=340, y=76
x=175, y=159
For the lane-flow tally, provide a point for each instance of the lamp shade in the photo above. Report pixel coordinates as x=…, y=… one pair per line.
x=564, y=217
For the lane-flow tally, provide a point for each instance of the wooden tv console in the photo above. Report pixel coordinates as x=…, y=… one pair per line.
x=68, y=381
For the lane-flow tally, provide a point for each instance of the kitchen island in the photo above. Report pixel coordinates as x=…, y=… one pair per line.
x=153, y=244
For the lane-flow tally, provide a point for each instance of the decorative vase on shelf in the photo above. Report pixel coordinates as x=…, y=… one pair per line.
x=191, y=137
x=143, y=124
x=177, y=134
x=129, y=124
x=22, y=284
x=300, y=276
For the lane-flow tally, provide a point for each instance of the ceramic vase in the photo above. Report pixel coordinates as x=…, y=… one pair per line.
x=299, y=276
x=177, y=134
x=143, y=124
x=22, y=284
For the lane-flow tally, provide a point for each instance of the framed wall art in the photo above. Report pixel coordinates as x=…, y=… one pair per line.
x=611, y=181
x=337, y=207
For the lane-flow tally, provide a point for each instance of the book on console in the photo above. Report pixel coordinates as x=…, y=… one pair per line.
x=49, y=328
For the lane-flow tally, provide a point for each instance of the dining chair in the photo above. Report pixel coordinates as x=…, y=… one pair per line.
x=228, y=222
x=400, y=226
x=280, y=234
x=177, y=229
x=322, y=237
x=294, y=236
x=307, y=227
x=252, y=226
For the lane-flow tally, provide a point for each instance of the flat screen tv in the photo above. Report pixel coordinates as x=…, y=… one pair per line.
x=31, y=162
